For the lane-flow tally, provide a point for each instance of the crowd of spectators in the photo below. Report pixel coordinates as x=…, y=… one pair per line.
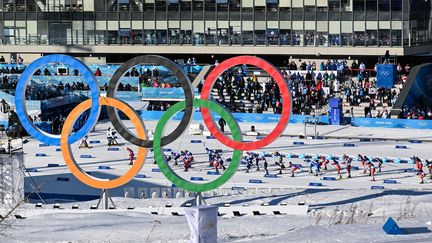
x=329, y=65
x=54, y=90
x=12, y=70
x=153, y=78
x=419, y=112
x=235, y=85
x=312, y=85
x=8, y=82
x=159, y=106
x=312, y=88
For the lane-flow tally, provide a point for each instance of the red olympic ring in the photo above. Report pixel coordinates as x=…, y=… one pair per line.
x=285, y=94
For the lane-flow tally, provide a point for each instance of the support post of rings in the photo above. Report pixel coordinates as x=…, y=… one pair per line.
x=105, y=199
x=199, y=199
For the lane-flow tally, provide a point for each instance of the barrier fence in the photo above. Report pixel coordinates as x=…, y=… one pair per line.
x=298, y=119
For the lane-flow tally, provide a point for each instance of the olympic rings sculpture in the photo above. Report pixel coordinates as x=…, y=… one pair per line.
x=113, y=105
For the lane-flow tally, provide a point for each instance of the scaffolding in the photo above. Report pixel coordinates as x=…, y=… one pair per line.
x=11, y=178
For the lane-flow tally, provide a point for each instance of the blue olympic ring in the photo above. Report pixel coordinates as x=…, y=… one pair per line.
x=20, y=99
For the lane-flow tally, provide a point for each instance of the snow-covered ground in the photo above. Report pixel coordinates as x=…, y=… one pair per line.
x=344, y=210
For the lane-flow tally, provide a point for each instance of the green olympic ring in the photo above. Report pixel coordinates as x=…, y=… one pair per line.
x=163, y=164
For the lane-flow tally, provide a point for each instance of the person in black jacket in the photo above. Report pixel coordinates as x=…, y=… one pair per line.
x=222, y=124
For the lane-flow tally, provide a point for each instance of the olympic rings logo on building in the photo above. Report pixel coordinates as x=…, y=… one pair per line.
x=141, y=140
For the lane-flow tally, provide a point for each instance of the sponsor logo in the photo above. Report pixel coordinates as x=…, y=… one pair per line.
x=365, y=122
x=422, y=124
x=258, y=118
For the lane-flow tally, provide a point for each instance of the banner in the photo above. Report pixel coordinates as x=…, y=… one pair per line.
x=391, y=123
x=386, y=75
x=163, y=93
x=202, y=223
x=240, y=117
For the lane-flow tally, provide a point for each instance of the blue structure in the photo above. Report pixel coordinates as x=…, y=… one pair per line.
x=391, y=227
x=390, y=181
x=255, y=181
x=386, y=75
x=418, y=87
x=336, y=111
x=315, y=184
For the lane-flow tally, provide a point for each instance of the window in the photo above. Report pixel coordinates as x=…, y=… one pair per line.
x=384, y=5
x=371, y=5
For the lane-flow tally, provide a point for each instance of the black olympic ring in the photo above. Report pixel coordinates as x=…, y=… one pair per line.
x=185, y=83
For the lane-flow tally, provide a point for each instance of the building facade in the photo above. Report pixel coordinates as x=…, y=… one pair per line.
x=305, y=27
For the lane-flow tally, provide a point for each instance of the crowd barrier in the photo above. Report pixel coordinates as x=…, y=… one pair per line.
x=240, y=117
x=391, y=123
x=296, y=119
x=103, y=80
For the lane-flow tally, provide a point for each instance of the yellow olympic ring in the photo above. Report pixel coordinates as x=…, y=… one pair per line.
x=80, y=174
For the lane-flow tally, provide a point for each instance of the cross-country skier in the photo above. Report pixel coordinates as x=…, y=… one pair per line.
x=347, y=161
x=362, y=159
x=338, y=167
x=249, y=161
x=429, y=165
x=372, y=170
x=280, y=163
x=422, y=175
x=314, y=164
x=131, y=155
x=293, y=168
